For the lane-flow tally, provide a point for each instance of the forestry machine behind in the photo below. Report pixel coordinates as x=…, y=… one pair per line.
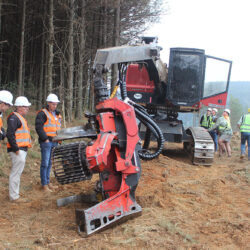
x=152, y=95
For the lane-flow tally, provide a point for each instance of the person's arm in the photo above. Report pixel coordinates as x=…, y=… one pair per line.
x=240, y=122
x=201, y=120
x=13, y=124
x=41, y=118
x=216, y=125
x=2, y=134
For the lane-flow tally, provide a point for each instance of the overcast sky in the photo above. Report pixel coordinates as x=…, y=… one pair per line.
x=220, y=27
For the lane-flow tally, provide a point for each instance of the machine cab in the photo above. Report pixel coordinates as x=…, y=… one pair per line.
x=192, y=79
x=195, y=78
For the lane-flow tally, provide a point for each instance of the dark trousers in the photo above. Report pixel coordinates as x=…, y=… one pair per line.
x=245, y=136
x=214, y=136
x=46, y=149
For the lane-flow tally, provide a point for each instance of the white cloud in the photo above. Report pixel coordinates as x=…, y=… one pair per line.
x=220, y=27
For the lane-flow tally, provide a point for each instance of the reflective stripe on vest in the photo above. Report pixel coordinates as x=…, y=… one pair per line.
x=245, y=125
x=52, y=124
x=222, y=128
x=1, y=124
x=206, y=122
x=22, y=134
x=213, y=121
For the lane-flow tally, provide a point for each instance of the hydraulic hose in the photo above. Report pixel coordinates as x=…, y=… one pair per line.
x=151, y=126
x=154, y=128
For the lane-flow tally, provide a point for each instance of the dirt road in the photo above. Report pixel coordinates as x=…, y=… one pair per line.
x=184, y=207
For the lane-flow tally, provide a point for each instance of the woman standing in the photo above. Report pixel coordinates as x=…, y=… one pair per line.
x=223, y=126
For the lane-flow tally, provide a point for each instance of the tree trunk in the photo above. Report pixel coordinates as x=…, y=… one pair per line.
x=0, y=15
x=1, y=51
x=87, y=87
x=45, y=85
x=61, y=86
x=79, y=103
x=21, y=52
x=105, y=23
x=116, y=41
x=70, y=62
x=50, y=48
x=61, y=90
x=40, y=92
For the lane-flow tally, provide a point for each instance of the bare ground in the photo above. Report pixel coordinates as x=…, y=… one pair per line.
x=184, y=207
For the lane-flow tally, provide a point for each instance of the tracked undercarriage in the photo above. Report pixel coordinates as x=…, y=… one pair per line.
x=201, y=146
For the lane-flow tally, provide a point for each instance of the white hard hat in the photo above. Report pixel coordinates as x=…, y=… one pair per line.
x=227, y=110
x=52, y=98
x=216, y=110
x=209, y=109
x=6, y=97
x=22, y=101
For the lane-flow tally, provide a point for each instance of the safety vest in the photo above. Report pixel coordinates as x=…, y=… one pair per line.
x=226, y=126
x=1, y=124
x=212, y=121
x=52, y=124
x=245, y=125
x=206, y=121
x=22, y=134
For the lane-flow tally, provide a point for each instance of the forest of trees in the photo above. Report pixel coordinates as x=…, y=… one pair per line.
x=49, y=46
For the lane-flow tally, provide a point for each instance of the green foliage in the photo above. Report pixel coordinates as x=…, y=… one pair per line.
x=236, y=111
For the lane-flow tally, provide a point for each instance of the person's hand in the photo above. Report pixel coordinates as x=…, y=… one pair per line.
x=17, y=152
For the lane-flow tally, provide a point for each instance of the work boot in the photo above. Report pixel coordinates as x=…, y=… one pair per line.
x=20, y=200
x=242, y=156
x=46, y=188
x=52, y=187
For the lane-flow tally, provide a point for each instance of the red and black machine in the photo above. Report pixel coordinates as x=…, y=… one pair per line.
x=152, y=96
x=112, y=151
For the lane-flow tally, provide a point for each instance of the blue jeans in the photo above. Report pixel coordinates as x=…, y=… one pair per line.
x=214, y=136
x=46, y=149
x=245, y=136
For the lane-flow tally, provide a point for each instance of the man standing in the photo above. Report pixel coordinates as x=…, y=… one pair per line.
x=244, y=126
x=206, y=119
x=213, y=133
x=6, y=99
x=19, y=141
x=48, y=121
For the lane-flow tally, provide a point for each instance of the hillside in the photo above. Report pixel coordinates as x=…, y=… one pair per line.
x=241, y=91
x=184, y=207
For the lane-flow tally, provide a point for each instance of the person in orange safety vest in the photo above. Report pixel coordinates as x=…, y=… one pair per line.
x=6, y=99
x=19, y=140
x=48, y=122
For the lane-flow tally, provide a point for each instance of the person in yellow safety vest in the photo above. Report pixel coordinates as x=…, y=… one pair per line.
x=48, y=121
x=6, y=99
x=244, y=126
x=206, y=119
x=19, y=140
x=213, y=133
x=225, y=132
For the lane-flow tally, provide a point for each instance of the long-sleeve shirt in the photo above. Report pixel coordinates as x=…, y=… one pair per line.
x=2, y=131
x=41, y=118
x=13, y=123
x=222, y=123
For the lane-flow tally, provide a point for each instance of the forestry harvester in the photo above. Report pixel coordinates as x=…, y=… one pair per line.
x=152, y=96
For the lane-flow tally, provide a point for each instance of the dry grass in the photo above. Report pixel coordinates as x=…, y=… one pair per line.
x=183, y=207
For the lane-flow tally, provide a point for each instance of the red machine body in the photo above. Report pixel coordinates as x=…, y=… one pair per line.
x=115, y=146
x=118, y=168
